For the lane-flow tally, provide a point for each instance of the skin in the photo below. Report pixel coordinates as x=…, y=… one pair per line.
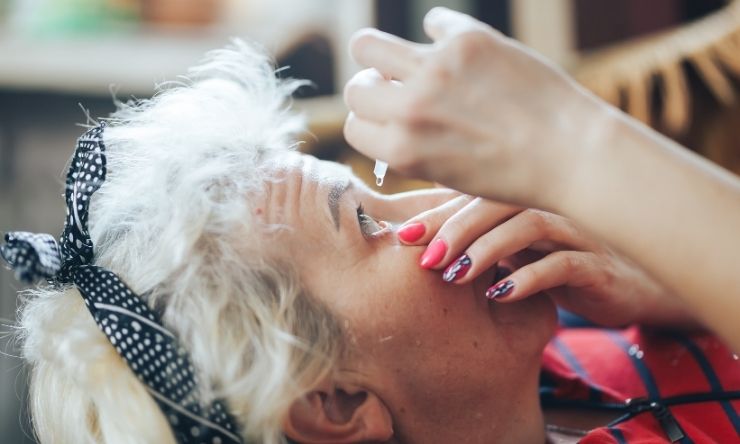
x=549, y=253
x=444, y=363
x=482, y=114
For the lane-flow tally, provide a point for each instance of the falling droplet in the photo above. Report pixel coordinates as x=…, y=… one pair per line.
x=379, y=181
x=735, y=356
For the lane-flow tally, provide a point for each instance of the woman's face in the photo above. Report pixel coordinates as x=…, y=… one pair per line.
x=448, y=365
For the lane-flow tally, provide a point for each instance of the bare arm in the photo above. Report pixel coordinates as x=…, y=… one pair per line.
x=671, y=211
x=484, y=115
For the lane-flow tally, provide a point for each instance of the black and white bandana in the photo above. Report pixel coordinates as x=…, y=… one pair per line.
x=136, y=331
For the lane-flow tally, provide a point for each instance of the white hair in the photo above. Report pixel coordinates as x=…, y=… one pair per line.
x=174, y=219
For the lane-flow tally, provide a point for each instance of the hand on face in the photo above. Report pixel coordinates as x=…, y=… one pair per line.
x=548, y=253
x=475, y=111
x=432, y=353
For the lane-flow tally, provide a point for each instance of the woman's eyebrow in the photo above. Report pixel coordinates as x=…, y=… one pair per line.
x=335, y=194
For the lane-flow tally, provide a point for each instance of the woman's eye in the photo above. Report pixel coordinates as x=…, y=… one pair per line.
x=368, y=225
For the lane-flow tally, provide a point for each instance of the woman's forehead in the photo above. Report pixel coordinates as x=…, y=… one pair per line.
x=308, y=168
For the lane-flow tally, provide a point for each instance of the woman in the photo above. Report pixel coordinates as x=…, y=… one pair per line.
x=228, y=289
x=482, y=114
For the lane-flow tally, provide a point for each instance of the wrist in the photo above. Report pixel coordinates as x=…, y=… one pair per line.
x=588, y=132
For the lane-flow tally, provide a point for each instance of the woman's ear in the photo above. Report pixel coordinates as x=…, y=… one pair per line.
x=337, y=416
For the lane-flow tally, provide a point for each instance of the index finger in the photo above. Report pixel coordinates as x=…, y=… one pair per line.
x=393, y=56
x=442, y=23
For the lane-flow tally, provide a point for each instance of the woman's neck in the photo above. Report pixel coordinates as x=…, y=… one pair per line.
x=519, y=420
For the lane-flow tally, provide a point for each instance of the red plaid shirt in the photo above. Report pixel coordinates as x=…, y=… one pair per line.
x=666, y=387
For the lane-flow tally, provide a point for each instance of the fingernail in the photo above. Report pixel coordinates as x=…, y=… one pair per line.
x=500, y=289
x=411, y=232
x=457, y=269
x=433, y=254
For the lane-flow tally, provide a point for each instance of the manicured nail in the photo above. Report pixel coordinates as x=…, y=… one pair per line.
x=433, y=254
x=500, y=289
x=457, y=269
x=412, y=232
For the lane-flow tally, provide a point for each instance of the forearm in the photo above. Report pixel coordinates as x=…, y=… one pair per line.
x=673, y=213
x=662, y=310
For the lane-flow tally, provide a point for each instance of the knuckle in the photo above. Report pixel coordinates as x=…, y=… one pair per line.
x=413, y=111
x=359, y=84
x=539, y=221
x=440, y=73
x=349, y=129
x=567, y=263
x=453, y=227
x=528, y=275
x=407, y=157
x=362, y=41
x=401, y=143
x=471, y=44
x=350, y=92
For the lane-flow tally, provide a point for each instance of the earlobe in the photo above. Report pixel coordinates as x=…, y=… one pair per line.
x=336, y=416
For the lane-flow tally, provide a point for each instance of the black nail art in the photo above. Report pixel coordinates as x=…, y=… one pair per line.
x=457, y=269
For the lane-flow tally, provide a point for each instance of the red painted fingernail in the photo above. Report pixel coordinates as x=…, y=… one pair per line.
x=411, y=232
x=457, y=269
x=433, y=254
x=499, y=290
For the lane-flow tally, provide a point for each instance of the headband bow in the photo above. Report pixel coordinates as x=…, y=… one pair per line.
x=151, y=351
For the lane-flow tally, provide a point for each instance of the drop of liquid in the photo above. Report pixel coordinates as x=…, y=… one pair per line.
x=735, y=357
x=379, y=181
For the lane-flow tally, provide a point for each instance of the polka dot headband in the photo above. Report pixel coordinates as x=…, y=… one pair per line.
x=136, y=331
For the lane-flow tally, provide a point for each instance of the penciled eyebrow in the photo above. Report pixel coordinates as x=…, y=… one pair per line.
x=335, y=194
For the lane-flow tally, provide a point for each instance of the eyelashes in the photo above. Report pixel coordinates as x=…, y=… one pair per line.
x=369, y=227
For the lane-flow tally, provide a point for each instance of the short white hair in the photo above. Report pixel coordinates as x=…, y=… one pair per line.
x=175, y=221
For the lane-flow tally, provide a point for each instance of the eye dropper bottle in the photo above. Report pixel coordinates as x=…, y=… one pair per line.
x=380, y=169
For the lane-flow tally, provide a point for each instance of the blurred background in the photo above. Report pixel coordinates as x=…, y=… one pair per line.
x=673, y=64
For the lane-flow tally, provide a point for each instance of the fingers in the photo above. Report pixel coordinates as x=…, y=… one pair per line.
x=441, y=23
x=529, y=229
x=403, y=206
x=561, y=268
x=390, y=141
x=392, y=56
x=464, y=230
x=368, y=137
x=421, y=229
x=449, y=229
x=368, y=95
